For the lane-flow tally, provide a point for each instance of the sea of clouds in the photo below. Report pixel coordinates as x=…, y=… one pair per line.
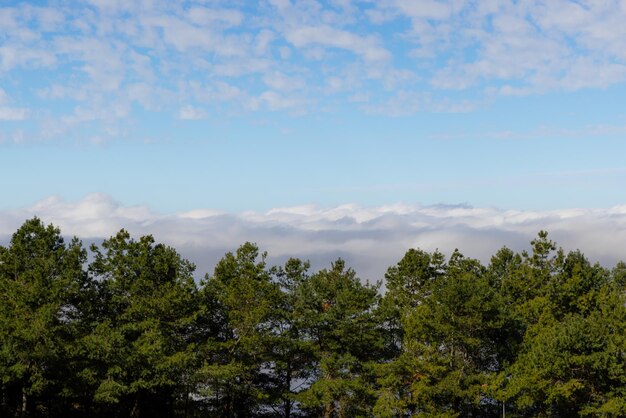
x=370, y=239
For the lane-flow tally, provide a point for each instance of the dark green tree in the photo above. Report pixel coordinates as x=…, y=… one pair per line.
x=242, y=300
x=408, y=284
x=337, y=313
x=40, y=279
x=571, y=360
x=141, y=347
x=293, y=356
x=449, y=355
x=537, y=333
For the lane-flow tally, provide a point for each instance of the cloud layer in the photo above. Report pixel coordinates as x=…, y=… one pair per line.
x=370, y=239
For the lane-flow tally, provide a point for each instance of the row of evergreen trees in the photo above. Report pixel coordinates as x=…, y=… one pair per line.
x=130, y=333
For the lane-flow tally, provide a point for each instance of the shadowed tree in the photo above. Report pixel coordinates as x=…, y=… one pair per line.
x=141, y=346
x=292, y=362
x=408, y=284
x=40, y=279
x=338, y=319
x=243, y=301
x=571, y=361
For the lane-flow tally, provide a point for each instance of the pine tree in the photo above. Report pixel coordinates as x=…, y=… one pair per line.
x=337, y=313
x=40, y=278
x=242, y=299
x=141, y=346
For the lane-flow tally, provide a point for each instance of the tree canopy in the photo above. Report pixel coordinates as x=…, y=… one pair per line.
x=122, y=330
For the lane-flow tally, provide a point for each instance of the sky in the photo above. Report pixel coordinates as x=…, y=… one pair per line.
x=285, y=121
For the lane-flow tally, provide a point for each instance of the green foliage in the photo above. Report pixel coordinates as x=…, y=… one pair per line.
x=141, y=346
x=336, y=312
x=40, y=278
x=571, y=359
x=293, y=359
x=408, y=284
x=538, y=333
x=450, y=350
x=241, y=294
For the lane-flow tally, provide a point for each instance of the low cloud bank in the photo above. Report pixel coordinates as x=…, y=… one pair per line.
x=369, y=239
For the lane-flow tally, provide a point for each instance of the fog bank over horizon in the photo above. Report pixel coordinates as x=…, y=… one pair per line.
x=370, y=239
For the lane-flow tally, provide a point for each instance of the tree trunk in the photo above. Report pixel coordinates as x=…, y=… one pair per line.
x=287, y=408
x=328, y=410
x=186, y=402
x=136, y=412
x=288, y=390
x=3, y=400
x=24, y=402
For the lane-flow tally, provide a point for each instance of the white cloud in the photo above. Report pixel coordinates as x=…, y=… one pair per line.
x=13, y=113
x=216, y=92
x=189, y=112
x=369, y=238
x=15, y=56
x=405, y=103
x=207, y=17
x=4, y=97
x=117, y=54
x=545, y=46
x=280, y=81
x=189, y=38
x=425, y=9
x=277, y=101
x=367, y=47
x=263, y=40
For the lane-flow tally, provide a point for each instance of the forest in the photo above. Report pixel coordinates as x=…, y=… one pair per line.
x=122, y=329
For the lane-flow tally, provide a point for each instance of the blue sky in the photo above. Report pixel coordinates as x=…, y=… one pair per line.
x=324, y=126
x=253, y=105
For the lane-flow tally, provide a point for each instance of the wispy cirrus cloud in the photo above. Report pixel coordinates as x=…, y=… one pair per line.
x=369, y=238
